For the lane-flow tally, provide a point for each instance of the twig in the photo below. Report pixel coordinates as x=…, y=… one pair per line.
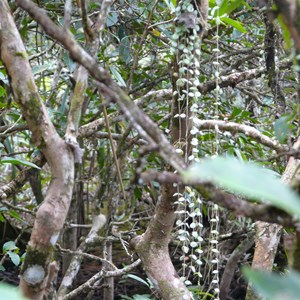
x=87, y=285
x=67, y=14
x=113, y=149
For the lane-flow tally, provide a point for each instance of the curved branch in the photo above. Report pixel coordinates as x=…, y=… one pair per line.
x=246, y=129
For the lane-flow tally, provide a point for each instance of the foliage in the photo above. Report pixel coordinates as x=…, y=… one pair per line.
x=10, y=292
x=13, y=161
x=138, y=47
x=247, y=179
x=12, y=251
x=275, y=286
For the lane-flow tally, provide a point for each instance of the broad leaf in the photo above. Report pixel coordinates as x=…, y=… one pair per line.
x=275, y=286
x=137, y=278
x=2, y=91
x=10, y=292
x=117, y=76
x=124, y=49
x=228, y=7
x=247, y=179
x=142, y=297
x=223, y=8
x=15, y=258
x=9, y=246
x=112, y=18
x=15, y=161
x=237, y=25
x=282, y=128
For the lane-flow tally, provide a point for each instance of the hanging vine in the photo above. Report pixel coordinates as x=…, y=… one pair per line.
x=186, y=45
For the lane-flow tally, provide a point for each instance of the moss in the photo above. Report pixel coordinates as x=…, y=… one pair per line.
x=21, y=54
x=167, y=289
x=39, y=257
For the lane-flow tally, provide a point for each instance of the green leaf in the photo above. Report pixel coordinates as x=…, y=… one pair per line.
x=247, y=5
x=2, y=268
x=237, y=25
x=2, y=91
x=15, y=258
x=10, y=292
x=124, y=49
x=40, y=68
x=285, y=32
x=275, y=286
x=227, y=8
x=171, y=4
x=9, y=246
x=15, y=215
x=112, y=18
x=138, y=279
x=142, y=297
x=247, y=179
x=117, y=76
x=223, y=8
x=233, y=6
x=2, y=76
x=282, y=128
x=15, y=161
x=124, y=297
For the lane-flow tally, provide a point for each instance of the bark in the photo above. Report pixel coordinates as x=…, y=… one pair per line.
x=268, y=235
x=272, y=72
x=152, y=248
x=52, y=213
x=246, y=129
x=290, y=10
x=232, y=262
x=74, y=266
x=267, y=239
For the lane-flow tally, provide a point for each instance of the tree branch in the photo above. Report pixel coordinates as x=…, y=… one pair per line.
x=246, y=129
x=238, y=206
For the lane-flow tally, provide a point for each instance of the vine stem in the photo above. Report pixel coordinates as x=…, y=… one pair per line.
x=113, y=149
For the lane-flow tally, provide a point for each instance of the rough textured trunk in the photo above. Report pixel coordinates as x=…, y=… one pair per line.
x=267, y=239
x=152, y=248
x=37, y=272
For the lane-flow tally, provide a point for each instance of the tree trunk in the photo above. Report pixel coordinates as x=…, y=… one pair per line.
x=37, y=272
